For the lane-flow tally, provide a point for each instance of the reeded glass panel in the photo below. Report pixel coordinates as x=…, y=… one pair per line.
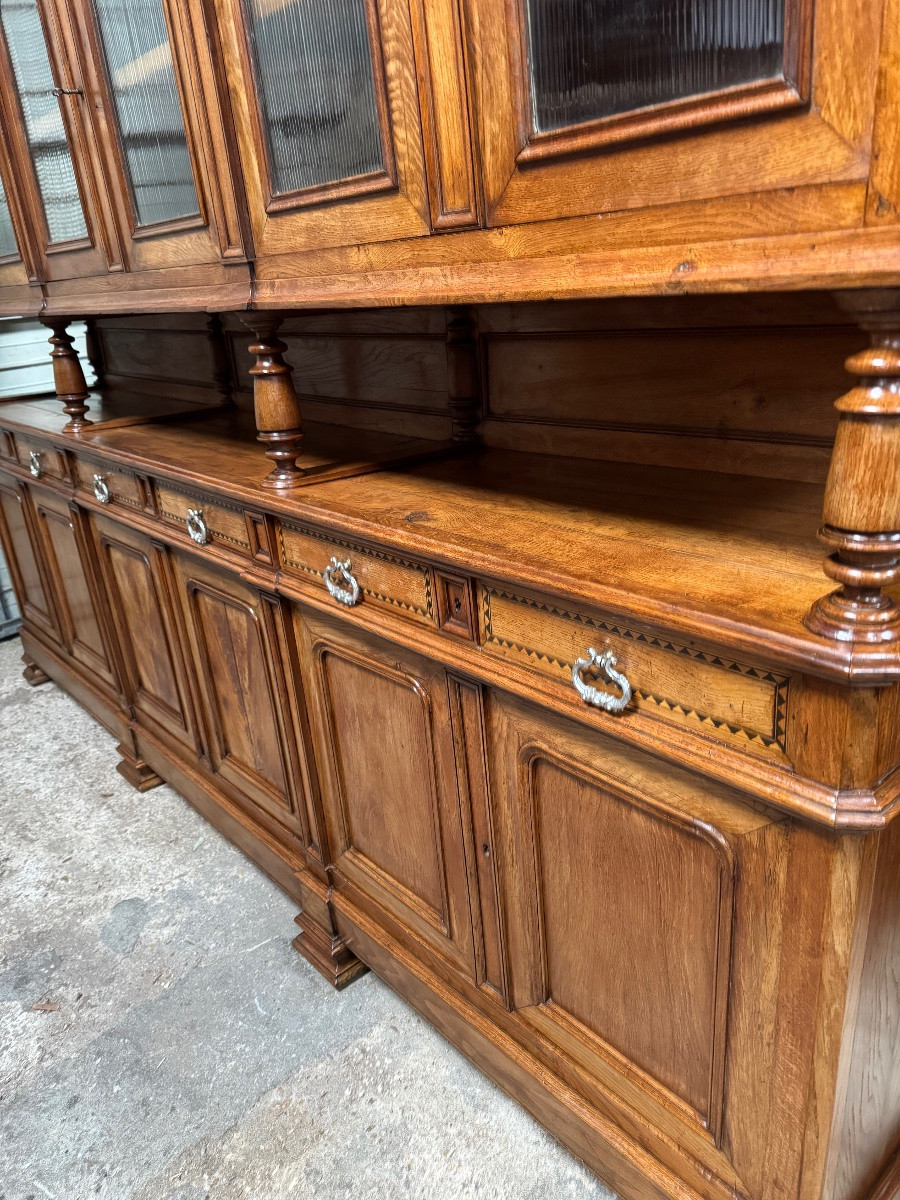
x=7, y=237
x=595, y=58
x=43, y=120
x=148, y=109
x=317, y=90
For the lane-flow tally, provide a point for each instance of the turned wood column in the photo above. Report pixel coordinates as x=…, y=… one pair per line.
x=862, y=496
x=462, y=374
x=275, y=403
x=68, y=375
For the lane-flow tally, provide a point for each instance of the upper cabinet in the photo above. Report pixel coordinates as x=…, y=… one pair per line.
x=325, y=94
x=603, y=105
x=160, y=144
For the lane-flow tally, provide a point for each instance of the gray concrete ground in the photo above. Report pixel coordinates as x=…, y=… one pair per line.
x=160, y=1039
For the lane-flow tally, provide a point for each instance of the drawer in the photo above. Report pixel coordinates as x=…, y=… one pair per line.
x=215, y=522
x=385, y=579
x=736, y=702
x=40, y=459
x=110, y=484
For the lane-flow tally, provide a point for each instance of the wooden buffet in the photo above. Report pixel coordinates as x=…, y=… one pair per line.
x=443, y=521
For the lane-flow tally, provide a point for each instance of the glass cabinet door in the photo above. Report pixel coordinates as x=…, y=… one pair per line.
x=45, y=144
x=148, y=67
x=600, y=106
x=328, y=120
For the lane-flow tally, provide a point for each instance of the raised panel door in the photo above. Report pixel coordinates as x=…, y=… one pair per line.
x=601, y=106
x=73, y=580
x=381, y=721
x=325, y=95
x=239, y=659
x=632, y=898
x=29, y=577
x=139, y=586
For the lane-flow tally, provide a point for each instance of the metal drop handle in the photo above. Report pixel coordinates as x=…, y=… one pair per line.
x=349, y=594
x=34, y=464
x=196, y=526
x=101, y=489
x=606, y=662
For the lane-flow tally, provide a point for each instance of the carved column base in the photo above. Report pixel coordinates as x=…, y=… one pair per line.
x=275, y=403
x=33, y=674
x=283, y=448
x=859, y=611
x=329, y=956
x=138, y=773
x=68, y=375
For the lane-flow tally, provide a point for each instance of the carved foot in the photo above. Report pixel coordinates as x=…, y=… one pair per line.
x=33, y=673
x=328, y=955
x=138, y=773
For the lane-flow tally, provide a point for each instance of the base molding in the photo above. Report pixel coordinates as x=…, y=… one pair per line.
x=33, y=674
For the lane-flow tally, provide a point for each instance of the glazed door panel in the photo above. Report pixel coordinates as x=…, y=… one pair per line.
x=381, y=722
x=149, y=74
x=238, y=656
x=74, y=584
x=139, y=586
x=604, y=106
x=326, y=101
x=28, y=575
x=627, y=895
x=50, y=145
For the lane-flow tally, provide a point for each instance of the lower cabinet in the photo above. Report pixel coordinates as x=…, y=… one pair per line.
x=239, y=655
x=380, y=717
x=139, y=588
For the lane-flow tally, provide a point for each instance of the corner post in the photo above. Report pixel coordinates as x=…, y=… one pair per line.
x=278, y=419
x=68, y=374
x=862, y=497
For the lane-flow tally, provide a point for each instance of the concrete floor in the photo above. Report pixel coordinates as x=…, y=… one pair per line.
x=160, y=1039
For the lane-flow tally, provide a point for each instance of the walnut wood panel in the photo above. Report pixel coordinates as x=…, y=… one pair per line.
x=74, y=585
x=141, y=608
x=386, y=205
x=386, y=580
x=743, y=704
x=386, y=759
x=825, y=143
x=238, y=659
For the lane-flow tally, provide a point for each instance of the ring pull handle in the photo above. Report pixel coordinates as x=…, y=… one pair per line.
x=57, y=92
x=348, y=594
x=101, y=489
x=606, y=663
x=35, y=466
x=196, y=526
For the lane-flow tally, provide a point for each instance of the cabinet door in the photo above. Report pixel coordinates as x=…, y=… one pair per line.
x=642, y=925
x=73, y=579
x=138, y=581
x=386, y=761
x=328, y=120
x=239, y=656
x=592, y=106
x=49, y=145
x=148, y=75
x=29, y=575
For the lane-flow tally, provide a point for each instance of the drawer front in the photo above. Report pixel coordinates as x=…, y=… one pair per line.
x=40, y=459
x=221, y=524
x=738, y=703
x=117, y=485
x=385, y=579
